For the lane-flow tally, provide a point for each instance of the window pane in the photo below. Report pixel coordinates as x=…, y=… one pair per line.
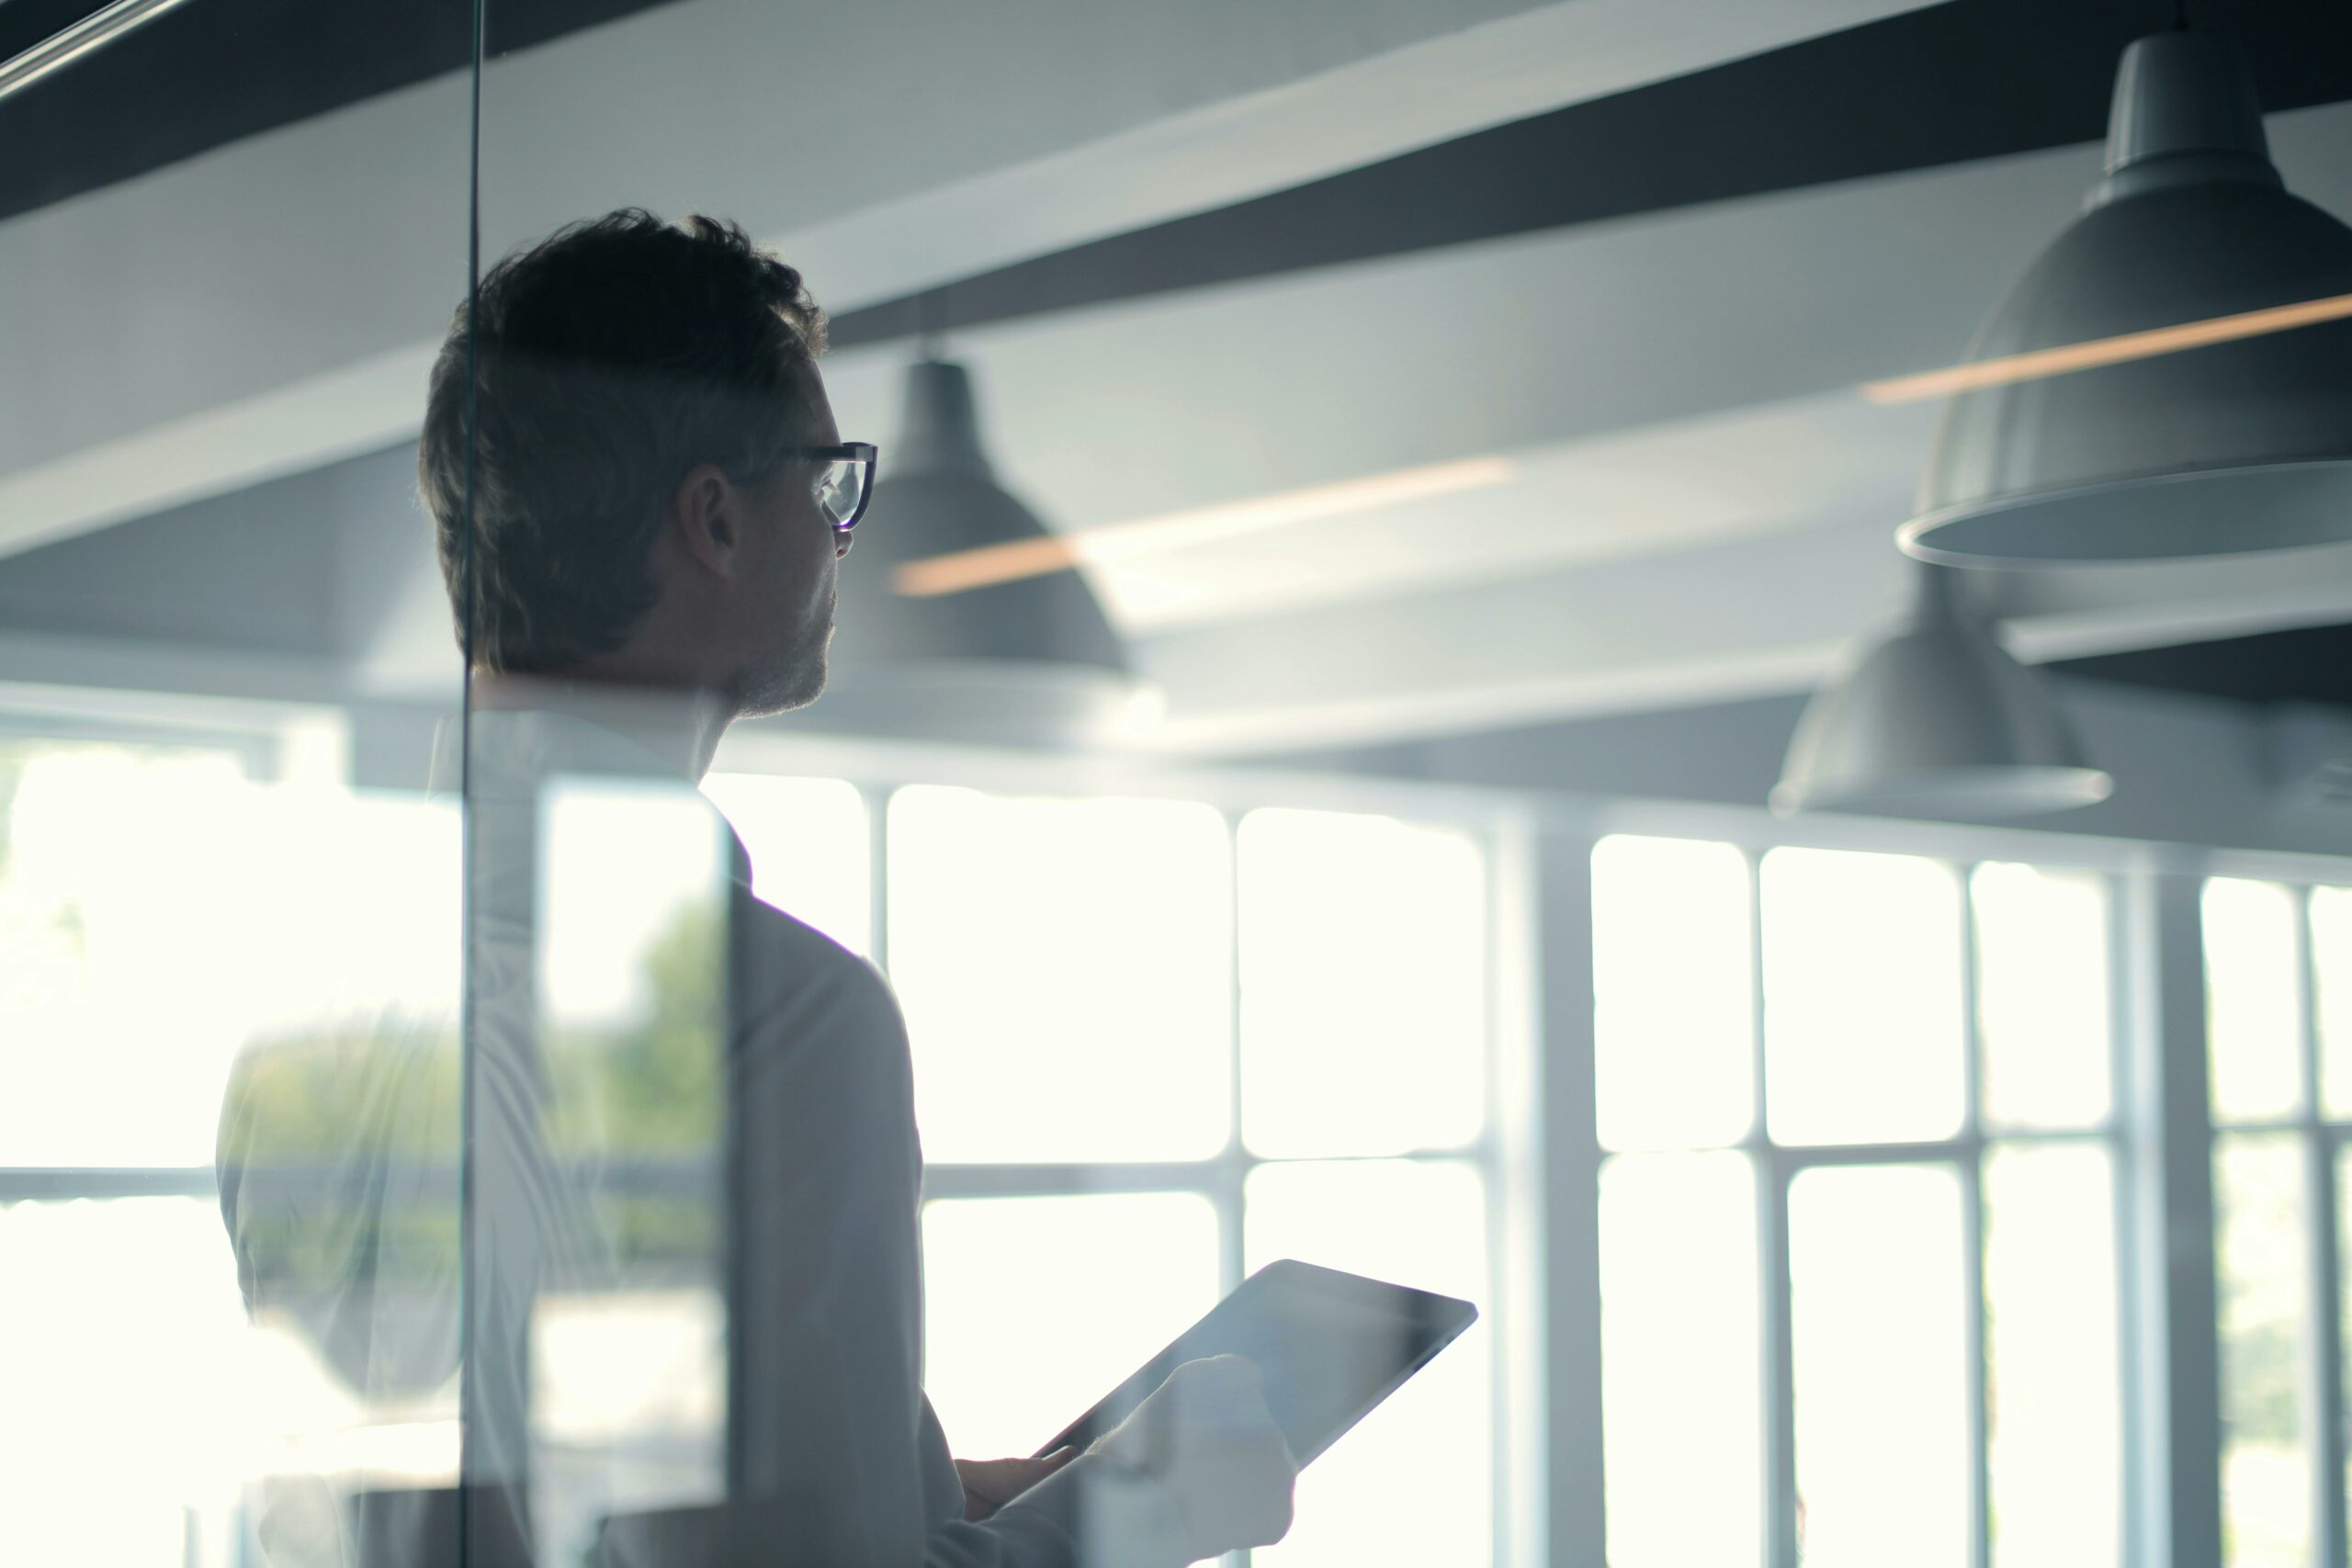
x=1066, y=970
x=1679, y=1337
x=135, y=1399
x=807, y=841
x=1036, y=1307
x=107, y=980
x=1673, y=968
x=1415, y=1224
x=2250, y=1012
x=1879, y=1303
x=2052, y=1358
x=2266, y=1467
x=2042, y=995
x=159, y=914
x=2331, y=982
x=1862, y=998
x=1363, y=986
x=622, y=868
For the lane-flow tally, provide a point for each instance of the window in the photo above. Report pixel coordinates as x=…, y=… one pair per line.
x=1157, y=1048
x=164, y=916
x=2278, y=985
x=1858, y=1208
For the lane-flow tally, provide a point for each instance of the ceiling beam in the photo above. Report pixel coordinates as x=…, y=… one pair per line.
x=313, y=268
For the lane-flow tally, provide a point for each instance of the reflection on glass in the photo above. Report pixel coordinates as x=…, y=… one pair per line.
x=1066, y=971
x=1363, y=986
x=1879, y=1323
x=624, y=869
x=2331, y=915
x=126, y=887
x=627, y=1330
x=1673, y=967
x=2052, y=1358
x=2253, y=1018
x=807, y=841
x=1862, y=998
x=2261, y=1275
x=1036, y=1307
x=135, y=1401
x=1413, y=1482
x=2042, y=995
x=1680, y=1387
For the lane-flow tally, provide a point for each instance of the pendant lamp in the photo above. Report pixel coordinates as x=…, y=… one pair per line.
x=1032, y=661
x=2157, y=451
x=1936, y=716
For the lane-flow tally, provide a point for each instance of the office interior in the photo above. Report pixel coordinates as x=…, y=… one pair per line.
x=1626, y=662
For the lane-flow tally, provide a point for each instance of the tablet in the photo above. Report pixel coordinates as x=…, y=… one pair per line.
x=1330, y=1345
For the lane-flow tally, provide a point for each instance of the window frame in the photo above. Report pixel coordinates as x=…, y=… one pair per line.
x=1541, y=1140
x=2320, y=1143
x=1505, y=1155
x=1776, y=1166
x=1509, y=1156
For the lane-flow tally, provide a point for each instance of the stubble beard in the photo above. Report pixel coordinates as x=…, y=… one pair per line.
x=789, y=680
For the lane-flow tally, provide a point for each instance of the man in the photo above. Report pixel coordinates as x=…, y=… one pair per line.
x=642, y=503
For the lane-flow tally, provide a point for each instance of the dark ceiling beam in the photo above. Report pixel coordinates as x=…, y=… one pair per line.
x=1953, y=84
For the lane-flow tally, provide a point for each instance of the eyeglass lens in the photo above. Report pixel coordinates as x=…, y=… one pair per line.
x=841, y=486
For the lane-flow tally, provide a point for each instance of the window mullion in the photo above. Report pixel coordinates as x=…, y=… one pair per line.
x=2323, y=1320
x=1574, y=1491
x=877, y=874
x=2122, y=1135
x=1972, y=1168
x=1233, y=1258
x=2178, y=1370
x=1773, y=1174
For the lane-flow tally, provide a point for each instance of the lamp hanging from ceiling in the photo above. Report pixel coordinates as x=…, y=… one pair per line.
x=2231, y=436
x=1936, y=716
x=1030, y=662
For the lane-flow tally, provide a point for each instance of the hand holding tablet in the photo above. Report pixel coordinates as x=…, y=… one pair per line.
x=1328, y=1347
x=1207, y=1436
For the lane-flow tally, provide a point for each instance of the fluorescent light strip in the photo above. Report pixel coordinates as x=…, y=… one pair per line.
x=62, y=49
x=964, y=570
x=2089, y=356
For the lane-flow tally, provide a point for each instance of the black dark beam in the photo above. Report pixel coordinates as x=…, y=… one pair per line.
x=2308, y=664
x=1969, y=79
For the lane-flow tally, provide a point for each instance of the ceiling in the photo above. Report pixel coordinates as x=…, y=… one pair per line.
x=204, y=74
x=1633, y=255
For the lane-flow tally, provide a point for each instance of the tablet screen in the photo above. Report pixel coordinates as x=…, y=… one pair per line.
x=1331, y=1344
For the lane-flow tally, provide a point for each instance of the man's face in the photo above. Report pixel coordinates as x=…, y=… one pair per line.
x=793, y=554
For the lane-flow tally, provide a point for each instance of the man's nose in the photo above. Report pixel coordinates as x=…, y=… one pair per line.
x=841, y=547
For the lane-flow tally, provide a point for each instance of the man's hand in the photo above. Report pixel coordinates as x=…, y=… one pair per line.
x=1206, y=1435
x=990, y=1483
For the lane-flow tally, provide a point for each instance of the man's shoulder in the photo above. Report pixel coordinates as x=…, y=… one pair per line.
x=788, y=964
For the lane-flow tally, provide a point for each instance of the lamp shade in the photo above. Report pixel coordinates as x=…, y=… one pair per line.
x=1032, y=660
x=2240, y=444
x=1935, y=716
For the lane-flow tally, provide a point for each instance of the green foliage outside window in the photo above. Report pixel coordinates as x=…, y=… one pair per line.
x=344, y=1147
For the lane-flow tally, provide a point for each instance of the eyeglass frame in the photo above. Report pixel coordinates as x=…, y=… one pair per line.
x=864, y=452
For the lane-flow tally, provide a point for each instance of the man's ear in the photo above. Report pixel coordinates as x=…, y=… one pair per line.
x=706, y=519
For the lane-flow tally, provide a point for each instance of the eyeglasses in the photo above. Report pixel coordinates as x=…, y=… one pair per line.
x=844, y=480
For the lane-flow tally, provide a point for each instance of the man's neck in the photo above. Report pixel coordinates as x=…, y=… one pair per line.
x=681, y=726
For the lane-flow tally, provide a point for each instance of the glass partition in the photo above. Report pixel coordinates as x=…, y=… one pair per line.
x=229, y=1080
